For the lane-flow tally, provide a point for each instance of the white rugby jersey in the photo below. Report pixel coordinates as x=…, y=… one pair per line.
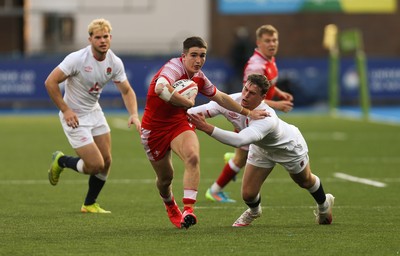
x=270, y=133
x=87, y=77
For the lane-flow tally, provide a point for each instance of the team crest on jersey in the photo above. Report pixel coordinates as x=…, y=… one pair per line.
x=108, y=71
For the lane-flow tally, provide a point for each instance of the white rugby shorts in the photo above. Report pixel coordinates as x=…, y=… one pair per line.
x=293, y=160
x=90, y=125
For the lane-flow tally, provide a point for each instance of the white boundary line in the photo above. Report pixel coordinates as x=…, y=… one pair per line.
x=359, y=180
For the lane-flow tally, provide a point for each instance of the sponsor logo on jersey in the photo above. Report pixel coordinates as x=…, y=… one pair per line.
x=88, y=69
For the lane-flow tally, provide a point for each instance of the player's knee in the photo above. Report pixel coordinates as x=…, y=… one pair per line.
x=193, y=159
x=95, y=167
x=107, y=164
x=164, y=182
x=306, y=184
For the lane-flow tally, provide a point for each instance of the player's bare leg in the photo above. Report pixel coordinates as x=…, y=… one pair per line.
x=307, y=180
x=186, y=146
x=165, y=174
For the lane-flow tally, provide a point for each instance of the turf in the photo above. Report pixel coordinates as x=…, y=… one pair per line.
x=39, y=219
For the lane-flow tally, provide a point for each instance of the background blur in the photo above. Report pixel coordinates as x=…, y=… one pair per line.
x=37, y=35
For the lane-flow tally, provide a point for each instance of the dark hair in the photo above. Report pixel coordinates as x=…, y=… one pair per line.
x=261, y=81
x=193, y=41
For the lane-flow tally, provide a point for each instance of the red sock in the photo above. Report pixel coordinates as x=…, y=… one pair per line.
x=226, y=176
x=188, y=204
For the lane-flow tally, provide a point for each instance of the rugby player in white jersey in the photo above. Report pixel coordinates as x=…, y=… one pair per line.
x=261, y=62
x=272, y=141
x=85, y=73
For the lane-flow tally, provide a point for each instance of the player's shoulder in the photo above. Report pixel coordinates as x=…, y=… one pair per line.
x=78, y=55
x=265, y=106
x=82, y=52
x=174, y=63
x=113, y=58
x=173, y=69
x=256, y=64
x=74, y=60
x=256, y=58
x=271, y=112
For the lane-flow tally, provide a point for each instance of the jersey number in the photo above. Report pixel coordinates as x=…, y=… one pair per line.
x=95, y=89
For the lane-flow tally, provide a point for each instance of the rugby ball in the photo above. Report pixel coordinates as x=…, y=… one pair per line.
x=185, y=87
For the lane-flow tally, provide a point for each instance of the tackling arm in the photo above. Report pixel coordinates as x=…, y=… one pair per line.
x=244, y=137
x=209, y=110
x=237, y=140
x=227, y=102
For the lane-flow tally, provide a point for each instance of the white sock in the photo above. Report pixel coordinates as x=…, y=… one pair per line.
x=258, y=208
x=324, y=206
x=101, y=176
x=233, y=166
x=190, y=194
x=79, y=166
x=215, y=188
x=316, y=185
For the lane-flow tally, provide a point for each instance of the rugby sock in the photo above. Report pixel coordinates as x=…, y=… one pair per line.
x=230, y=170
x=189, y=198
x=69, y=162
x=215, y=188
x=255, y=204
x=95, y=186
x=317, y=191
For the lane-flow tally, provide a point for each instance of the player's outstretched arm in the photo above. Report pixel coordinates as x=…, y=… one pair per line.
x=227, y=102
x=199, y=120
x=244, y=137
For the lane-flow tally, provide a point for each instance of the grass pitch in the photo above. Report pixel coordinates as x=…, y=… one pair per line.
x=39, y=219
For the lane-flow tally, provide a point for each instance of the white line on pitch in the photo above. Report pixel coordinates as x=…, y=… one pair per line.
x=359, y=180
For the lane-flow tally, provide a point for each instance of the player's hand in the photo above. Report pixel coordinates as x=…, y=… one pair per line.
x=258, y=114
x=284, y=105
x=200, y=122
x=183, y=102
x=286, y=96
x=71, y=118
x=192, y=99
x=134, y=119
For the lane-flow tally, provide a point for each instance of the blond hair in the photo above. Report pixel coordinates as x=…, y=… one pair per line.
x=99, y=24
x=266, y=29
